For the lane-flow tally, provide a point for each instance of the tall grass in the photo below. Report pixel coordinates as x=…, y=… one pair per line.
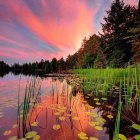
x=31, y=98
x=105, y=80
x=118, y=117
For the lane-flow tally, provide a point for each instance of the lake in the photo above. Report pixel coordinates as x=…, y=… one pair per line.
x=46, y=108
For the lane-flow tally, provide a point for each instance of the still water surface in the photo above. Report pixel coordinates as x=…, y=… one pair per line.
x=52, y=111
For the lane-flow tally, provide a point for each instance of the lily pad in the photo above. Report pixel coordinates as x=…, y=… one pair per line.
x=92, y=138
x=92, y=114
x=100, y=120
x=110, y=116
x=56, y=127
x=82, y=136
x=122, y=137
x=96, y=99
x=99, y=128
x=104, y=99
x=30, y=134
x=37, y=137
x=93, y=124
x=137, y=137
x=89, y=106
x=98, y=103
x=136, y=126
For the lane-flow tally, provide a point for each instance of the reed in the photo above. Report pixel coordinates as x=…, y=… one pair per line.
x=31, y=98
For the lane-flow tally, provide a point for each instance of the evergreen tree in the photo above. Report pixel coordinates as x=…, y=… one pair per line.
x=134, y=37
x=119, y=20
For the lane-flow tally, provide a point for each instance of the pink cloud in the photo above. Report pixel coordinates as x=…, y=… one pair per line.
x=63, y=34
x=62, y=26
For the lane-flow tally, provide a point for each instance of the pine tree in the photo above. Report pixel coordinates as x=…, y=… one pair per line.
x=117, y=23
x=134, y=37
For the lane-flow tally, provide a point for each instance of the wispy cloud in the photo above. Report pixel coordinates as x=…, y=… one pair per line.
x=32, y=29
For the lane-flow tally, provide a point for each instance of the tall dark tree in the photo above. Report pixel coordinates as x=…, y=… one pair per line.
x=4, y=68
x=71, y=61
x=54, y=65
x=134, y=37
x=120, y=18
x=61, y=65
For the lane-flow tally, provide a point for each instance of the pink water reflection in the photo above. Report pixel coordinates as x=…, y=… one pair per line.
x=53, y=92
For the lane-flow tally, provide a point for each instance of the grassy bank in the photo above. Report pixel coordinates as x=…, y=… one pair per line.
x=121, y=84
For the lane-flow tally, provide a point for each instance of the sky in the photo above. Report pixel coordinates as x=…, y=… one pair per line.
x=31, y=30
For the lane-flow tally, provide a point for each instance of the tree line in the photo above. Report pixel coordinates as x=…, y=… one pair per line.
x=117, y=46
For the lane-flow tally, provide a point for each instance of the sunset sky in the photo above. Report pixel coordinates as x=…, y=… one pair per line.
x=31, y=30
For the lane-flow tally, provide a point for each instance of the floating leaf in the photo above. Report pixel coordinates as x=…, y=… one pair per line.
x=13, y=138
x=35, y=124
x=82, y=136
x=96, y=99
x=137, y=137
x=30, y=134
x=98, y=103
x=99, y=128
x=136, y=126
x=92, y=114
x=104, y=99
x=62, y=118
x=89, y=106
x=37, y=137
x=92, y=138
x=76, y=118
x=93, y=124
x=110, y=116
x=122, y=137
x=8, y=132
x=100, y=120
x=56, y=127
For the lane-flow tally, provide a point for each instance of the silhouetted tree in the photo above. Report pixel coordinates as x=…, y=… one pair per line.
x=53, y=66
x=134, y=37
x=4, y=68
x=120, y=18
